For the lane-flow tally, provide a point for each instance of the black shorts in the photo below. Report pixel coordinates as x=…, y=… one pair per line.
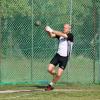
x=59, y=60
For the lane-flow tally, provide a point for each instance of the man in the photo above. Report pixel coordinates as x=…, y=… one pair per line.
x=65, y=39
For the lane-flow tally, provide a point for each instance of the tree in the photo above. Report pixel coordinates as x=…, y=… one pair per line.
x=9, y=10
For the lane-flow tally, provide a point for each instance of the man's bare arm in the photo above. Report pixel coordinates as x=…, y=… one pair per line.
x=53, y=33
x=58, y=33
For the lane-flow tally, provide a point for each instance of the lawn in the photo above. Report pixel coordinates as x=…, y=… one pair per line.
x=61, y=92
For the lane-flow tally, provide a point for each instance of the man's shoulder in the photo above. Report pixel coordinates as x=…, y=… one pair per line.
x=70, y=34
x=70, y=37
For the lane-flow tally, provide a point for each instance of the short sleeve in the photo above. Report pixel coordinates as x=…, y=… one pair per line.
x=70, y=37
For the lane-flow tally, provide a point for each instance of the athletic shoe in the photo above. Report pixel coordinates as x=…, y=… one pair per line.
x=49, y=88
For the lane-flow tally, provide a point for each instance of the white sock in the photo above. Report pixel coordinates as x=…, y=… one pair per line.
x=51, y=83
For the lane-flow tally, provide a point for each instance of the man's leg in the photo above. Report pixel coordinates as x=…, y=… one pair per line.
x=58, y=76
x=51, y=69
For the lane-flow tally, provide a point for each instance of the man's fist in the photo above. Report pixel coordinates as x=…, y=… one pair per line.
x=48, y=29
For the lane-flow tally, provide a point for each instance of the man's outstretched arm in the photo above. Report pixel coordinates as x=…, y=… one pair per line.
x=58, y=33
x=53, y=33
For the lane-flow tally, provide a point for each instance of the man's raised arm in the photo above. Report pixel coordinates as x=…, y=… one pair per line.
x=53, y=33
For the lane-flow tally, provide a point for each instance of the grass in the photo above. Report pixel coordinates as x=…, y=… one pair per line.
x=79, y=69
x=83, y=92
x=19, y=70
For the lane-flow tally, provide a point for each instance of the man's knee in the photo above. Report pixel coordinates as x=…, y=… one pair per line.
x=59, y=75
x=60, y=72
x=50, y=68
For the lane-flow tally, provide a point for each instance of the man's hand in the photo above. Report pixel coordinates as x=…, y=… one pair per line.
x=48, y=29
x=53, y=33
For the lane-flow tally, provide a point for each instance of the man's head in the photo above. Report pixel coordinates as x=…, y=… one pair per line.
x=67, y=28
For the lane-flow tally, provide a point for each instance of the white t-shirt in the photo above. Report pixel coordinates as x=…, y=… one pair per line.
x=65, y=46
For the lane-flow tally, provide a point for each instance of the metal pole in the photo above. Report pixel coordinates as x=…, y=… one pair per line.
x=32, y=46
x=94, y=30
x=0, y=47
x=98, y=31
x=71, y=9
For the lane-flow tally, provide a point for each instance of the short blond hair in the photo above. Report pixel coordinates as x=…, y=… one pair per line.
x=67, y=25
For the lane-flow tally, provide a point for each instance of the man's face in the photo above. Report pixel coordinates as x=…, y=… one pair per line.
x=66, y=28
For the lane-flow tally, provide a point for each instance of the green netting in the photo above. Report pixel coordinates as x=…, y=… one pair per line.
x=25, y=49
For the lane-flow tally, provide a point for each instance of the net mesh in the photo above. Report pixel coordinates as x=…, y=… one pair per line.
x=26, y=49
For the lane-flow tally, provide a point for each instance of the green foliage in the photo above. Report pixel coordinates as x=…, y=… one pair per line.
x=54, y=13
x=11, y=8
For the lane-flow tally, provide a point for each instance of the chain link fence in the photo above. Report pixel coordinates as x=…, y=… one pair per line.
x=26, y=49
